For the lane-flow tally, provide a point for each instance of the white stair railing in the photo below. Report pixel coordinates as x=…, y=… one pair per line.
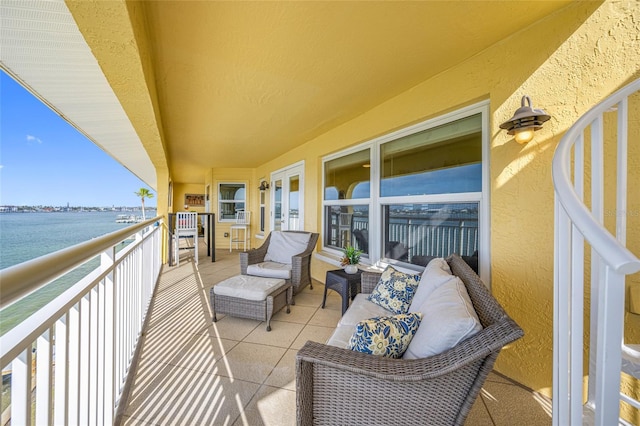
x=610, y=263
x=69, y=361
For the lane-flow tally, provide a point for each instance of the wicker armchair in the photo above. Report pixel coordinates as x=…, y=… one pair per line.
x=300, y=263
x=338, y=386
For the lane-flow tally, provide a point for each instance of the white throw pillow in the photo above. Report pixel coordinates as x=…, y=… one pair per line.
x=284, y=245
x=448, y=318
x=435, y=275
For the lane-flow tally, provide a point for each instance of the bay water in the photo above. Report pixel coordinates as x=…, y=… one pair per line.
x=26, y=236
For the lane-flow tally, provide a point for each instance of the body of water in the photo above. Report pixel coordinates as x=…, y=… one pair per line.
x=26, y=236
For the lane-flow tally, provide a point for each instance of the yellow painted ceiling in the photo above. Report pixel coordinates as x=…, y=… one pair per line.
x=235, y=84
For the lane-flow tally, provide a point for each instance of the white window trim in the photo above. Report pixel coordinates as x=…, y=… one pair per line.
x=246, y=198
x=375, y=201
x=297, y=168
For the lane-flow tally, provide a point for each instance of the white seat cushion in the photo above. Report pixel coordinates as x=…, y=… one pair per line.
x=270, y=270
x=284, y=245
x=361, y=309
x=248, y=287
x=448, y=318
x=341, y=336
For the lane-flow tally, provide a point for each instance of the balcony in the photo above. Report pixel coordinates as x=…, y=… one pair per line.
x=193, y=371
x=180, y=367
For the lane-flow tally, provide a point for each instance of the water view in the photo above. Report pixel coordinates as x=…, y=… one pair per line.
x=26, y=236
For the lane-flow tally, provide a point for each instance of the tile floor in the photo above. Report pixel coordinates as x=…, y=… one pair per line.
x=192, y=371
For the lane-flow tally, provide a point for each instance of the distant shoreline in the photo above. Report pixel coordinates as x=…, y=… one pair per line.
x=41, y=209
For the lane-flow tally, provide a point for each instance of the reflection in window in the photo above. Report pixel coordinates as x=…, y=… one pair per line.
x=231, y=199
x=418, y=193
x=263, y=202
x=416, y=233
x=442, y=160
x=343, y=175
x=347, y=226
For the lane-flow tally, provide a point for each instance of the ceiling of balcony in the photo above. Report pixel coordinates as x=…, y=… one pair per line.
x=235, y=84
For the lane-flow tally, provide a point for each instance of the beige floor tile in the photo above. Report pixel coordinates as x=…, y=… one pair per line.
x=334, y=301
x=232, y=328
x=250, y=362
x=501, y=398
x=270, y=407
x=479, y=415
x=284, y=374
x=202, y=353
x=132, y=421
x=314, y=333
x=308, y=297
x=282, y=334
x=182, y=396
x=192, y=314
x=299, y=314
x=498, y=378
x=329, y=316
x=161, y=344
x=219, y=276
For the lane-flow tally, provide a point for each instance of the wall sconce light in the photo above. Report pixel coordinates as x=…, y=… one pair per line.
x=525, y=121
x=263, y=186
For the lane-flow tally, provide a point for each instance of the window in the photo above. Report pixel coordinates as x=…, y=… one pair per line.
x=263, y=201
x=231, y=199
x=443, y=160
x=414, y=194
x=347, y=226
x=416, y=233
x=347, y=177
x=346, y=187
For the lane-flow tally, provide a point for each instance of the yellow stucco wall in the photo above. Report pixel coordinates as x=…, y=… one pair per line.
x=179, y=192
x=245, y=176
x=566, y=63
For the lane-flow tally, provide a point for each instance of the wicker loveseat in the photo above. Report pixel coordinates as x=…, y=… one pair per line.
x=338, y=386
x=297, y=269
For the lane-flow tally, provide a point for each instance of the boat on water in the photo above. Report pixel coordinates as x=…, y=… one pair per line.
x=128, y=218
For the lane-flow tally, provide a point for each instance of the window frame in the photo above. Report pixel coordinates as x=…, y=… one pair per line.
x=221, y=201
x=376, y=202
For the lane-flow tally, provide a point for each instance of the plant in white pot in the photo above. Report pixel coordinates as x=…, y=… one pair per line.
x=350, y=259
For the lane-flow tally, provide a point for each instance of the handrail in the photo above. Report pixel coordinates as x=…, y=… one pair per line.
x=71, y=359
x=610, y=262
x=23, y=279
x=618, y=257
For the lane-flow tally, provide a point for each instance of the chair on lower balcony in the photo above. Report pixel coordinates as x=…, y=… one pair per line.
x=284, y=254
x=186, y=227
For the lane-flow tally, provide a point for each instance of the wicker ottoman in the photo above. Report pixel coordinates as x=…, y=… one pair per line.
x=250, y=297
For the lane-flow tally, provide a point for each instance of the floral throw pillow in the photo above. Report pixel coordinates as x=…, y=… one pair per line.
x=385, y=336
x=395, y=290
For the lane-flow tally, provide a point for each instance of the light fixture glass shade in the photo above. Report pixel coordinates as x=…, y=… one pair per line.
x=523, y=136
x=525, y=121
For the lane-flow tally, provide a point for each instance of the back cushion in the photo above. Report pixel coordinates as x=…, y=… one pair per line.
x=284, y=245
x=448, y=318
x=436, y=273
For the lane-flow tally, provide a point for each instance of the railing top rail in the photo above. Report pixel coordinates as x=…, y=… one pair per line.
x=23, y=279
x=615, y=254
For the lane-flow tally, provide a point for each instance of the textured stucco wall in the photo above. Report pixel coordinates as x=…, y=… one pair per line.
x=566, y=63
x=245, y=176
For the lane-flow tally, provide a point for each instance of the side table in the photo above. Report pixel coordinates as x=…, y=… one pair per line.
x=347, y=285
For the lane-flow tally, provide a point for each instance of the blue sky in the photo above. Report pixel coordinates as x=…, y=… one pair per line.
x=45, y=161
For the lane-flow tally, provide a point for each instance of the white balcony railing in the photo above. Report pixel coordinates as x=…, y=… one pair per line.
x=610, y=263
x=70, y=359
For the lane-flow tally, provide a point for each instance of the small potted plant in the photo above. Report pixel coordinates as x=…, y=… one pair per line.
x=350, y=259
